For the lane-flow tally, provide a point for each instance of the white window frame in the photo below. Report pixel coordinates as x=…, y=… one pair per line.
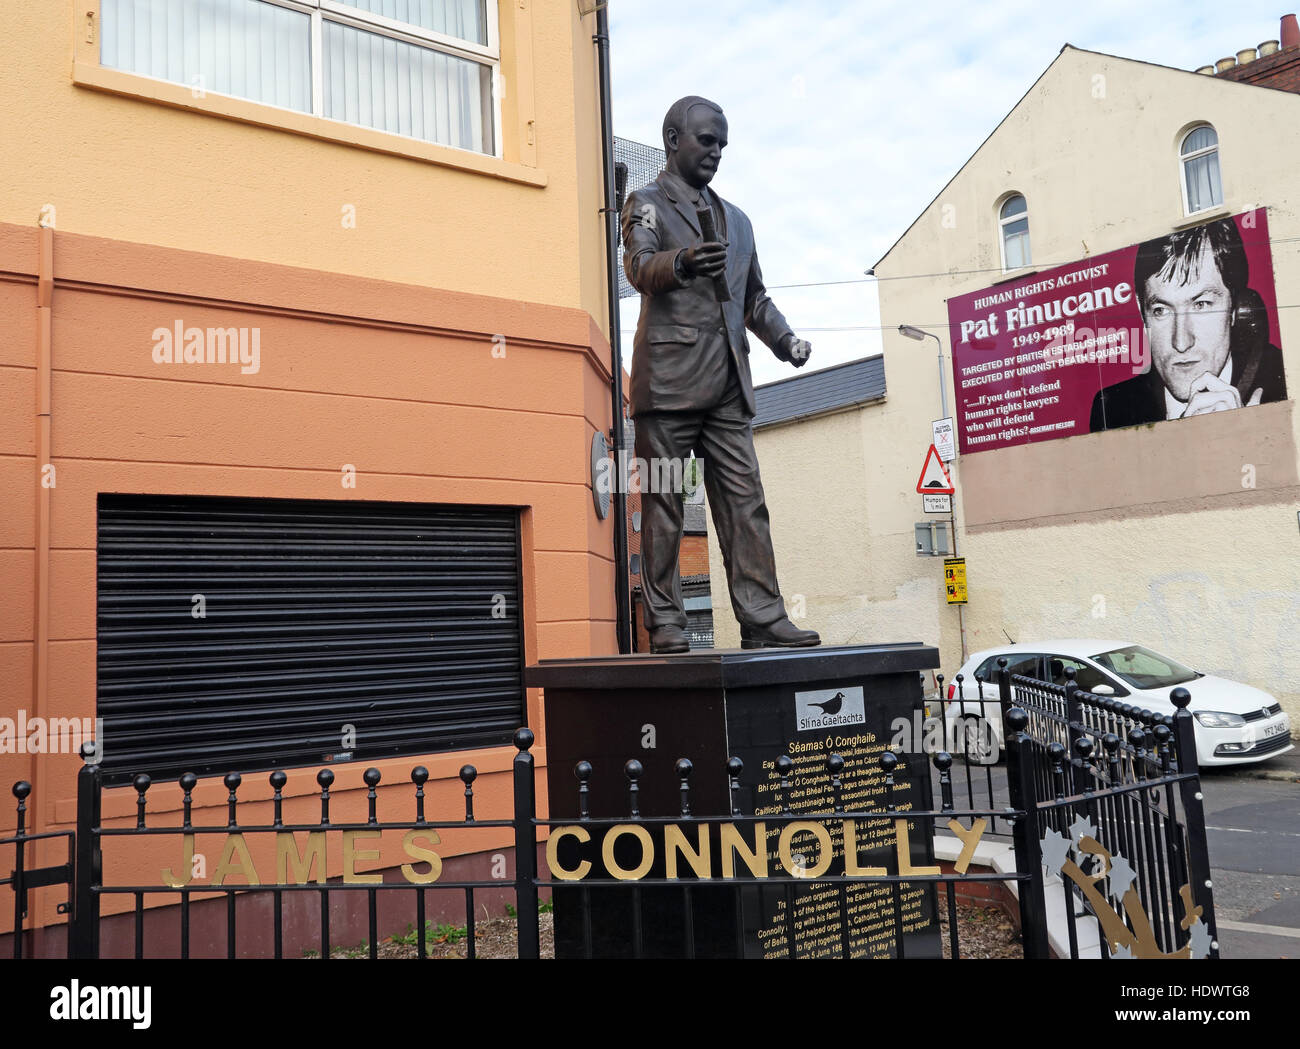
x=488, y=54
x=1003, y=222
x=1182, y=166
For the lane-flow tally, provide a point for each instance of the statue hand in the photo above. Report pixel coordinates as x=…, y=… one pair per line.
x=800, y=350
x=705, y=260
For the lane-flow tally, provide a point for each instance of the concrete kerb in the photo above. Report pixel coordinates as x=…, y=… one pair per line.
x=1285, y=768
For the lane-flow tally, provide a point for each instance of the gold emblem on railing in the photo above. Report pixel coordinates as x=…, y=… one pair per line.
x=1134, y=938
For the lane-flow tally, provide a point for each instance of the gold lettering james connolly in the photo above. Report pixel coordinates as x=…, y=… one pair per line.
x=295, y=866
x=745, y=843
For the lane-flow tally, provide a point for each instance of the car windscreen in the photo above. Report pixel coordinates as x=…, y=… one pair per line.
x=1142, y=668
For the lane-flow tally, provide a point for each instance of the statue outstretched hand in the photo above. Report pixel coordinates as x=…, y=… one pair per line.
x=800, y=350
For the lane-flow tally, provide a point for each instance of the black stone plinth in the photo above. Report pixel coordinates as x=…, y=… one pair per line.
x=710, y=706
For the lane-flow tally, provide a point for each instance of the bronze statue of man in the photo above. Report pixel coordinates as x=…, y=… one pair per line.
x=691, y=256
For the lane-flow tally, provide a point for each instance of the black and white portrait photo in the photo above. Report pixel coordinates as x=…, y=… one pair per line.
x=1207, y=332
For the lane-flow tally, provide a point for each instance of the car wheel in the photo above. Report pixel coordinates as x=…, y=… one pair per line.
x=975, y=746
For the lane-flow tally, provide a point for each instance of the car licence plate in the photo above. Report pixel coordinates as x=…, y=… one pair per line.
x=1275, y=730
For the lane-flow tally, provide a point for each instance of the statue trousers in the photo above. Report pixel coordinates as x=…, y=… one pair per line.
x=724, y=440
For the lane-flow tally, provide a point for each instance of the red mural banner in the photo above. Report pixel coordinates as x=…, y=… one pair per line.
x=1178, y=326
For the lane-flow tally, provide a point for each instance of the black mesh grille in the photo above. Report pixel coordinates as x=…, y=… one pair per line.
x=636, y=165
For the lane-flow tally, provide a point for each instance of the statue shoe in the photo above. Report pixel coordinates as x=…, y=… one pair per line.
x=781, y=634
x=668, y=638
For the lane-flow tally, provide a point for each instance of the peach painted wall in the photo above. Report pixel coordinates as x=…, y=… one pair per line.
x=141, y=160
x=407, y=384
x=375, y=350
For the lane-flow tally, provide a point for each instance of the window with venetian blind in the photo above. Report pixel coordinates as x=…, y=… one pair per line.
x=426, y=69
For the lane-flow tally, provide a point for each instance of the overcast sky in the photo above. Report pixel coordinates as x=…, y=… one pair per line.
x=846, y=117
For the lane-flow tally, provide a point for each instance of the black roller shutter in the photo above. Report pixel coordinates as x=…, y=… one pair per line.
x=399, y=620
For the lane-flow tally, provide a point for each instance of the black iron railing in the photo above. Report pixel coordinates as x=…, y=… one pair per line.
x=422, y=872
x=24, y=877
x=971, y=729
x=172, y=899
x=1104, y=796
x=576, y=883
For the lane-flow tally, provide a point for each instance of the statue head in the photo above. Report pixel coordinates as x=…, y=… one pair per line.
x=695, y=133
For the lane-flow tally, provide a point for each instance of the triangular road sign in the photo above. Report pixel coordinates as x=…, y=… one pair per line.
x=934, y=479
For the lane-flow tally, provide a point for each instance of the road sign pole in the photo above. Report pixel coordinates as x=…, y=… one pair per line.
x=936, y=481
x=961, y=609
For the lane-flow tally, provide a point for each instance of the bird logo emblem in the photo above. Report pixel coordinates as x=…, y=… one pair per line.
x=832, y=705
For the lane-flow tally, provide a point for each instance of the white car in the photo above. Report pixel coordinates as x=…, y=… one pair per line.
x=1235, y=724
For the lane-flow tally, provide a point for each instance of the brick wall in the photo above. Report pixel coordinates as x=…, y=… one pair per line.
x=1280, y=71
x=694, y=555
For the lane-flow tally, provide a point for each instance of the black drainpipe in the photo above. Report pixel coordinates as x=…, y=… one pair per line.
x=622, y=592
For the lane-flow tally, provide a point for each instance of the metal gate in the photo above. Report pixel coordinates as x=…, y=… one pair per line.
x=1121, y=818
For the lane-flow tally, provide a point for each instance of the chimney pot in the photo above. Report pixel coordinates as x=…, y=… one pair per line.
x=1224, y=64
x=1268, y=47
x=1207, y=70
x=1290, y=32
x=1245, y=55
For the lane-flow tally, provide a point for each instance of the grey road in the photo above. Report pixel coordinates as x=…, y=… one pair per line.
x=1253, y=827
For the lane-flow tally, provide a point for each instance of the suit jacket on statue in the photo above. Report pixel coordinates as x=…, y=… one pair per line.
x=685, y=340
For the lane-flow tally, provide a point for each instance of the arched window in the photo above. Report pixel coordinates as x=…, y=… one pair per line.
x=1199, y=153
x=1013, y=219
